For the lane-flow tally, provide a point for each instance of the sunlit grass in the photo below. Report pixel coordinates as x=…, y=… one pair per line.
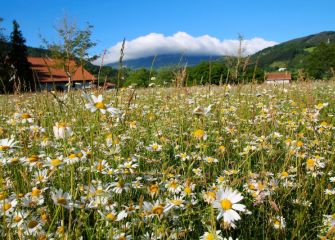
x=169, y=163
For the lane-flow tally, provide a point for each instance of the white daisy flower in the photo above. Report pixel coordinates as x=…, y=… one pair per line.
x=7, y=206
x=202, y=111
x=62, y=131
x=62, y=198
x=97, y=103
x=227, y=204
x=153, y=209
x=279, y=222
x=211, y=235
x=154, y=147
x=7, y=144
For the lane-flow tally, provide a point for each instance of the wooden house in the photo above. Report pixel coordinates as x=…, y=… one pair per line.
x=278, y=78
x=50, y=76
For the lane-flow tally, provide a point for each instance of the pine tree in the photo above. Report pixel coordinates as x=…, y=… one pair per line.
x=22, y=79
x=4, y=71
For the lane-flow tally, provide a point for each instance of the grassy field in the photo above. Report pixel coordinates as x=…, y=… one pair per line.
x=246, y=162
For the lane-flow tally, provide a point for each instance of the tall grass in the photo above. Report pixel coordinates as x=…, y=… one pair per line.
x=273, y=144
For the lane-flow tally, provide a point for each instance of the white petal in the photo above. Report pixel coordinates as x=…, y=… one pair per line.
x=94, y=98
x=239, y=207
x=216, y=204
x=100, y=98
x=234, y=215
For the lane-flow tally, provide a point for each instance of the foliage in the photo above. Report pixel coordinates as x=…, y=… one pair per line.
x=207, y=72
x=293, y=53
x=320, y=64
x=106, y=73
x=139, y=78
x=21, y=74
x=74, y=45
x=165, y=76
x=4, y=76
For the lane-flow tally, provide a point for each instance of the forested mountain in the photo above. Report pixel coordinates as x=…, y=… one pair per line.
x=292, y=54
x=166, y=60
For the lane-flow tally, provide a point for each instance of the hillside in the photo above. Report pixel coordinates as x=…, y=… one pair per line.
x=32, y=51
x=291, y=54
x=165, y=61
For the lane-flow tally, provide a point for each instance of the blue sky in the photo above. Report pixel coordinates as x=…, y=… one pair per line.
x=113, y=20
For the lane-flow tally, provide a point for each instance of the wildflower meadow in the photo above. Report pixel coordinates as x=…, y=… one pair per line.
x=211, y=162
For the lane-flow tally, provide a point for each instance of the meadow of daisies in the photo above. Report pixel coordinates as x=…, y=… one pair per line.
x=246, y=162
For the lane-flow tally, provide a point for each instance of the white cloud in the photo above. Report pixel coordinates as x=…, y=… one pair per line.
x=182, y=43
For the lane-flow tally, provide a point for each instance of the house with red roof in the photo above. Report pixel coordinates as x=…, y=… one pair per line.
x=50, y=75
x=278, y=78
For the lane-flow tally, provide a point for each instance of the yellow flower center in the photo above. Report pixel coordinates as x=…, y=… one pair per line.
x=4, y=148
x=42, y=237
x=72, y=156
x=33, y=159
x=6, y=206
x=56, y=162
x=310, y=163
x=60, y=230
x=177, y=202
x=40, y=177
x=99, y=192
x=222, y=148
x=158, y=209
x=120, y=184
x=153, y=188
x=14, y=160
x=35, y=192
x=25, y=116
x=32, y=224
x=261, y=186
x=100, y=105
x=17, y=218
x=44, y=217
x=2, y=195
x=61, y=201
x=284, y=174
x=221, y=178
x=61, y=125
x=100, y=167
x=173, y=185
x=111, y=216
x=251, y=186
x=211, y=195
x=226, y=204
x=199, y=133
x=155, y=147
x=210, y=236
x=188, y=190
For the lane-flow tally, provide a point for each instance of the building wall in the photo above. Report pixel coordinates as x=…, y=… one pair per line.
x=277, y=81
x=61, y=86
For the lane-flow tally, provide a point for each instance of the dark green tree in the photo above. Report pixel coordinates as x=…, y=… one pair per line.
x=320, y=64
x=207, y=72
x=3, y=69
x=140, y=78
x=165, y=76
x=21, y=74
